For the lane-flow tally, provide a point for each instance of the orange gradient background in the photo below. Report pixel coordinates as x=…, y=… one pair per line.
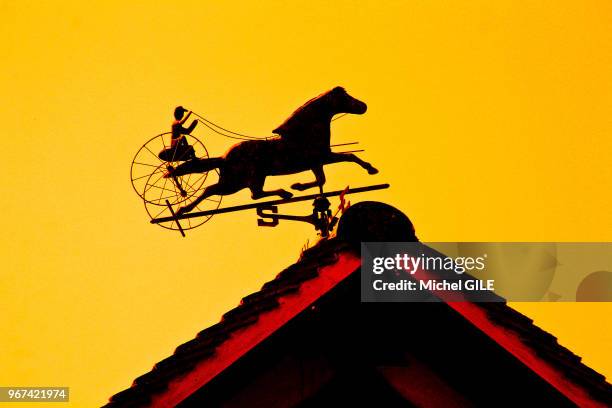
x=491, y=121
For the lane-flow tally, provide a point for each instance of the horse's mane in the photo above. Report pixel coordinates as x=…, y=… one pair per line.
x=297, y=117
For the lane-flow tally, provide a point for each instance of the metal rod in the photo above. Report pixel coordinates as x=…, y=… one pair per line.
x=344, y=144
x=352, y=151
x=173, y=218
x=267, y=203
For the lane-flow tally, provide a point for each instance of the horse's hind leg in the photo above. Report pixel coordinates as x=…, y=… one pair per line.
x=320, y=180
x=213, y=189
x=257, y=191
x=350, y=157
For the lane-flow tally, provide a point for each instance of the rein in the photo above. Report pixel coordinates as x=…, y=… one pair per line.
x=226, y=132
x=239, y=136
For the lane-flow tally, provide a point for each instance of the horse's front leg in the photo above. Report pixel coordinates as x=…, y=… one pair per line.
x=350, y=157
x=320, y=180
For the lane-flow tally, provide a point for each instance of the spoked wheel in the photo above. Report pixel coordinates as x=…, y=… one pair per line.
x=155, y=158
x=162, y=191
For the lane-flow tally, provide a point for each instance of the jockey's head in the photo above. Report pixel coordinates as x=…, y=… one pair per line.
x=179, y=111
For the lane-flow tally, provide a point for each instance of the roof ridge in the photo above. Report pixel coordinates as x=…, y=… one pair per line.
x=312, y=261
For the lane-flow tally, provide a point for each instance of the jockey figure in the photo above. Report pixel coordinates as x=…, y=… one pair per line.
x=179, y=149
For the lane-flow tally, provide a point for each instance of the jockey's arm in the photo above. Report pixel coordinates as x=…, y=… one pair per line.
x=185, y=118
x=189, y=129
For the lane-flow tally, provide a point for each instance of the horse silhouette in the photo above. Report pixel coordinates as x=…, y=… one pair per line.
x=303, y=143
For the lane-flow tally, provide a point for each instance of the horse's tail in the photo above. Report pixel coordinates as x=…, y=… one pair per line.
x=198, y=166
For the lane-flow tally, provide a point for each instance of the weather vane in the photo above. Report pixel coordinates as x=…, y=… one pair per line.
x=173, y=173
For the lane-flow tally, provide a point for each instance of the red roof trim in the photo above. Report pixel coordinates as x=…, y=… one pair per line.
x=243, y=340
x=512, y=342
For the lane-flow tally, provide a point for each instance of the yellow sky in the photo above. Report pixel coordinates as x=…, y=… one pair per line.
x=491, y=121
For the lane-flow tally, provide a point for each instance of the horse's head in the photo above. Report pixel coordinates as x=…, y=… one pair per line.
x=319, y=111
x=342, y=102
